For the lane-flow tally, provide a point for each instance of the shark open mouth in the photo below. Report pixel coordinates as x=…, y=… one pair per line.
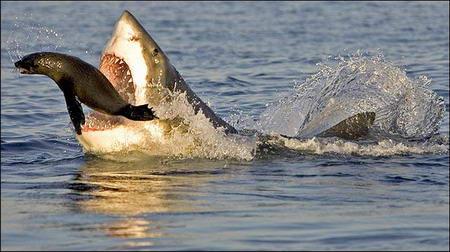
x=117, y=71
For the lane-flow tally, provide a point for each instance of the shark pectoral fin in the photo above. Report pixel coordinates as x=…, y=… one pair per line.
x=353, y=127
x=75, y=111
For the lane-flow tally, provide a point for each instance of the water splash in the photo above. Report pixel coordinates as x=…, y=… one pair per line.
x=404, y=107
x=201, y=138
x=27, y=32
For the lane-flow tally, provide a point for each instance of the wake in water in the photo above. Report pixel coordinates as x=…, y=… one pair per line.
x=379, y=148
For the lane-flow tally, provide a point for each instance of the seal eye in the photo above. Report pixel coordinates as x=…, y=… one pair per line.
x=155, y=52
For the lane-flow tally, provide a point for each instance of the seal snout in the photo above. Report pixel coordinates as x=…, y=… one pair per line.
x=27, y=64
x=22, y=66
x=18, y=63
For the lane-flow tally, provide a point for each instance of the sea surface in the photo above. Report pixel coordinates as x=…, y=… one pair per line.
x=249, y=62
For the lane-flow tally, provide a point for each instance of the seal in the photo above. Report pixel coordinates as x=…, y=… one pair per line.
x=82, y=82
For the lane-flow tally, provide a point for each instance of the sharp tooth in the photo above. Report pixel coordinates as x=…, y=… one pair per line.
x=128, y=72
x=117, y=60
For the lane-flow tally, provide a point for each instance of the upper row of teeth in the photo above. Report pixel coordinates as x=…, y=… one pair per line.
x=113, y=59
x=116, y=60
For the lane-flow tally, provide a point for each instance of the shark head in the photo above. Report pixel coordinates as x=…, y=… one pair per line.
x=141, y=72
x=135, y=64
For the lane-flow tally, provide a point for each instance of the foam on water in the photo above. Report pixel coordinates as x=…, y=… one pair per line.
x=379, y=148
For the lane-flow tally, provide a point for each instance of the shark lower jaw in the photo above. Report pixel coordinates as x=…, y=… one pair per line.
x=114, y=139
x=96, y=121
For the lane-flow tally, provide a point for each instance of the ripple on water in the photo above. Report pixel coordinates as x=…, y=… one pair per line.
x=321, y=194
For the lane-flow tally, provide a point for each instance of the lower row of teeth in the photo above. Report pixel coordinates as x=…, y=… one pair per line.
x=94, y=123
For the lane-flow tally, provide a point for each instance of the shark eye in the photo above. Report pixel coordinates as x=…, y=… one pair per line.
x=155, y=52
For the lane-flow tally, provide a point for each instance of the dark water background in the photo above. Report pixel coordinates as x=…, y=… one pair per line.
x=239, y=57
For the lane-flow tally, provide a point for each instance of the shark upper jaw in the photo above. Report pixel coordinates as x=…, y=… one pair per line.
x=125, y=46
x=127, y=61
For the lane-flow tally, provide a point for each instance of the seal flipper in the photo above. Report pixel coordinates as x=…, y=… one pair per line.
x=137, y=113
x=75, y=110
x=353, y=127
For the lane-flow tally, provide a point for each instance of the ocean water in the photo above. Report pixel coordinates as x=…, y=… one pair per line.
x=270, y=67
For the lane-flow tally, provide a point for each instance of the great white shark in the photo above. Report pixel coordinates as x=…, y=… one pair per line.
x=142, y=74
